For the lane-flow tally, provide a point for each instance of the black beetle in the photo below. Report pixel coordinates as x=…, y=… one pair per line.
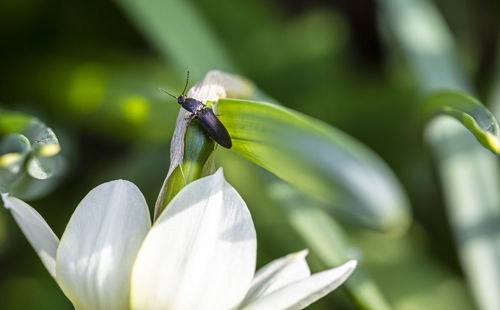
x=212, y=125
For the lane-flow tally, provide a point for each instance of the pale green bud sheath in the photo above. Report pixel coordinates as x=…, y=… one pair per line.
x=196, y=162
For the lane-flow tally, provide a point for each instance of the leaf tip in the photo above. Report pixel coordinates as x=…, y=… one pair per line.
x=493, y=143
x=396, y=223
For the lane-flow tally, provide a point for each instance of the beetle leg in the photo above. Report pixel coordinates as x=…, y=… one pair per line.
x=190, y=117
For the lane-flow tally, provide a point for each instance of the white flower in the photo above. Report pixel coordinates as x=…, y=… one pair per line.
x=200, y=254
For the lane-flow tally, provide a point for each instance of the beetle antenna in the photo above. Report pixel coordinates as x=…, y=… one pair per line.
x=168, y=93
x=187, y=82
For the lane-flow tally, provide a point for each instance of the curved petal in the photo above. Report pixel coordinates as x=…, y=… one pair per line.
x=302, y=293
x=36, y=230
x=201, y=252
x=100, y=244
x=277, y=274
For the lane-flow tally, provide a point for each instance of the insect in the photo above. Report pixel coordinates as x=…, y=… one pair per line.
x=210, y=123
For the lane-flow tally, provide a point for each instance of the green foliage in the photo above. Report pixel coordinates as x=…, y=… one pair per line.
x=170, y=38
x=322, y=162
x=467, y=110
x=469, y=176
x=327, y=240
x=115, y=97
x=93, y=70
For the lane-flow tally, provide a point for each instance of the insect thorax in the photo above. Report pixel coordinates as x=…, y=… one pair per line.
x=193, y=105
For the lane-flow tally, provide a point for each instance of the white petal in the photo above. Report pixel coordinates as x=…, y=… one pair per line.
x=201, y=252
x=36, y=230
x=302, y=293
x=100, y=244
x=277, y=274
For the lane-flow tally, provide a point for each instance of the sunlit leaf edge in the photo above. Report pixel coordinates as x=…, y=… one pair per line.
x=469, y=111
x=379, y=199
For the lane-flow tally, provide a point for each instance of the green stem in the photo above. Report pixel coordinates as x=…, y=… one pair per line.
x=197, y=162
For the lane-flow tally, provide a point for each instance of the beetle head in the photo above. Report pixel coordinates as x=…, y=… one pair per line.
x=181, y=99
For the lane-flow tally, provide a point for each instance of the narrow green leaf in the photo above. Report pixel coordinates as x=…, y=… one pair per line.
x=161, y=23
x=467, y=110
x=327, y=240
x=321, y=161
x=410, y=273
x=469, y=174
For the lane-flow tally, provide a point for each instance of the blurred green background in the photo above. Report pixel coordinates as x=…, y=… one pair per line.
x=91, y=70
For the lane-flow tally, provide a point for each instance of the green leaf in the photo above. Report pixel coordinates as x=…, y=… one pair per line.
x=468, y=173
x=467, y=110
x=321, y=161
x=160, y=23
x=410, y=273
x=327, y=240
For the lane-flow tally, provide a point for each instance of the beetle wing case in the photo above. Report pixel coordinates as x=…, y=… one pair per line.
x=192, y=105
x=214, y=128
